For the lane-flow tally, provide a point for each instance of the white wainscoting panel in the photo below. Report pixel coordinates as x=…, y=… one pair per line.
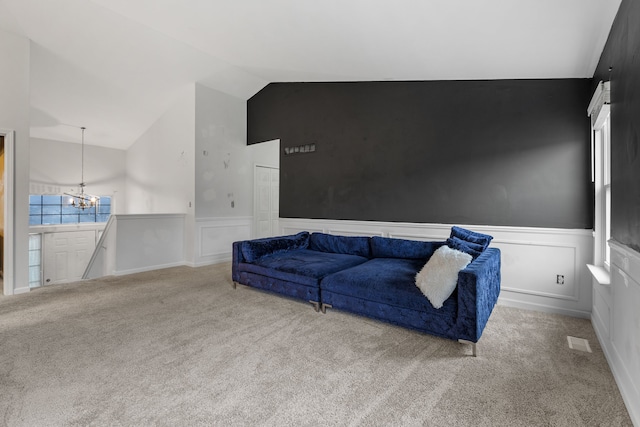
x=616, y=320
x=557, y=258
x=532, y=258
x=215, y=236
x=601, y=311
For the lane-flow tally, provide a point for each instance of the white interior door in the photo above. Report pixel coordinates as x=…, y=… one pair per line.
x=266, y=201
x=66, y=255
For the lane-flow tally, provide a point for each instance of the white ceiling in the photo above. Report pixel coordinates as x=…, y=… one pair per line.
x=115, y=66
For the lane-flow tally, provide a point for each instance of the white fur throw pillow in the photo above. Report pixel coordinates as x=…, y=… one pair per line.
x=439, y=276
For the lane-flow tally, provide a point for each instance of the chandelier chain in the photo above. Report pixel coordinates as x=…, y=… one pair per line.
x=82, y=200
x=82, y=160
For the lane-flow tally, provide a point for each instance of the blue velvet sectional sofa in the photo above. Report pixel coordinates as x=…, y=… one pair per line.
x=375, y=277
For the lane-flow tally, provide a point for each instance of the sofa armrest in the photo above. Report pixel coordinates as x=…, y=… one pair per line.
x=248, y=251
x=478, y=290
x=237, y=258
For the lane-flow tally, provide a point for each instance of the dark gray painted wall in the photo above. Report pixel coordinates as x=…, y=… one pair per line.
x=622, y=54
x=505, y=152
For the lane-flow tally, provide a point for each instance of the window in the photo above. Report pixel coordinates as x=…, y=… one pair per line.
x=54, y=209
x=35, y=260
x=606, y=189
x=599, y=111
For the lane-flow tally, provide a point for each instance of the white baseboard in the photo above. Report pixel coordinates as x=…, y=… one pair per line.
x=146, y=242
x=218, y=259
x=215, y=236
x=619, y=335
x=544, y=308
x=532, y=258
x=627, y=389
x=21, y=290
x=148, y=268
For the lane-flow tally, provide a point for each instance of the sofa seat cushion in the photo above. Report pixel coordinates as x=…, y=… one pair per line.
x=303, y=265
x=388, y=281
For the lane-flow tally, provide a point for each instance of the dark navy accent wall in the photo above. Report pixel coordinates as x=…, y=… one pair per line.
x=499, y=152
x=622, y=54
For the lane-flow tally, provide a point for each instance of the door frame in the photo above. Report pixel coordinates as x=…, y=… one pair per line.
x=255, y=195
x=8, y=241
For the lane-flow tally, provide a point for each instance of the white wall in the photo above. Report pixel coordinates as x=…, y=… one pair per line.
x=160, y=167
x=224, y=174
x=14, y=115
x=148, y=242
x=55, y=169
x=616, y=320
x=266, y=153
x=194, y=160
x=223, y=181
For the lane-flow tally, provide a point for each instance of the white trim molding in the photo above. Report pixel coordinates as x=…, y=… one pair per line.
x=214, y=237
x=616, y=320
x=149, y=268
x=8, y=264
x=134, y=243
x=534, y=260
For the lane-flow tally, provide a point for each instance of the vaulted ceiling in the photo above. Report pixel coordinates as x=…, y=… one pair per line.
x=115, y=66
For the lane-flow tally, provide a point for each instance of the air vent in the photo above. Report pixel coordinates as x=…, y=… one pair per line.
x=579, y=344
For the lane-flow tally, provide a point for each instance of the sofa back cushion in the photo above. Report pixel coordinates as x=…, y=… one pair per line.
x=352, y=245
x=385, y=247
x=257, y=248
x=471, y=236
x=473, y=249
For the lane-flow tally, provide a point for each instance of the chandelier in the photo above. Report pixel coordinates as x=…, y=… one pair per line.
x=83, y=200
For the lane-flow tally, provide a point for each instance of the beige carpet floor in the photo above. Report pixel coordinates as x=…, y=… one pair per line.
x=181, y=347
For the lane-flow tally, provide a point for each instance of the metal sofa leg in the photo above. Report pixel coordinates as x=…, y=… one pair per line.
x=474, y=346
x=316, y=305
x=323, y=307
x=235, y=284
